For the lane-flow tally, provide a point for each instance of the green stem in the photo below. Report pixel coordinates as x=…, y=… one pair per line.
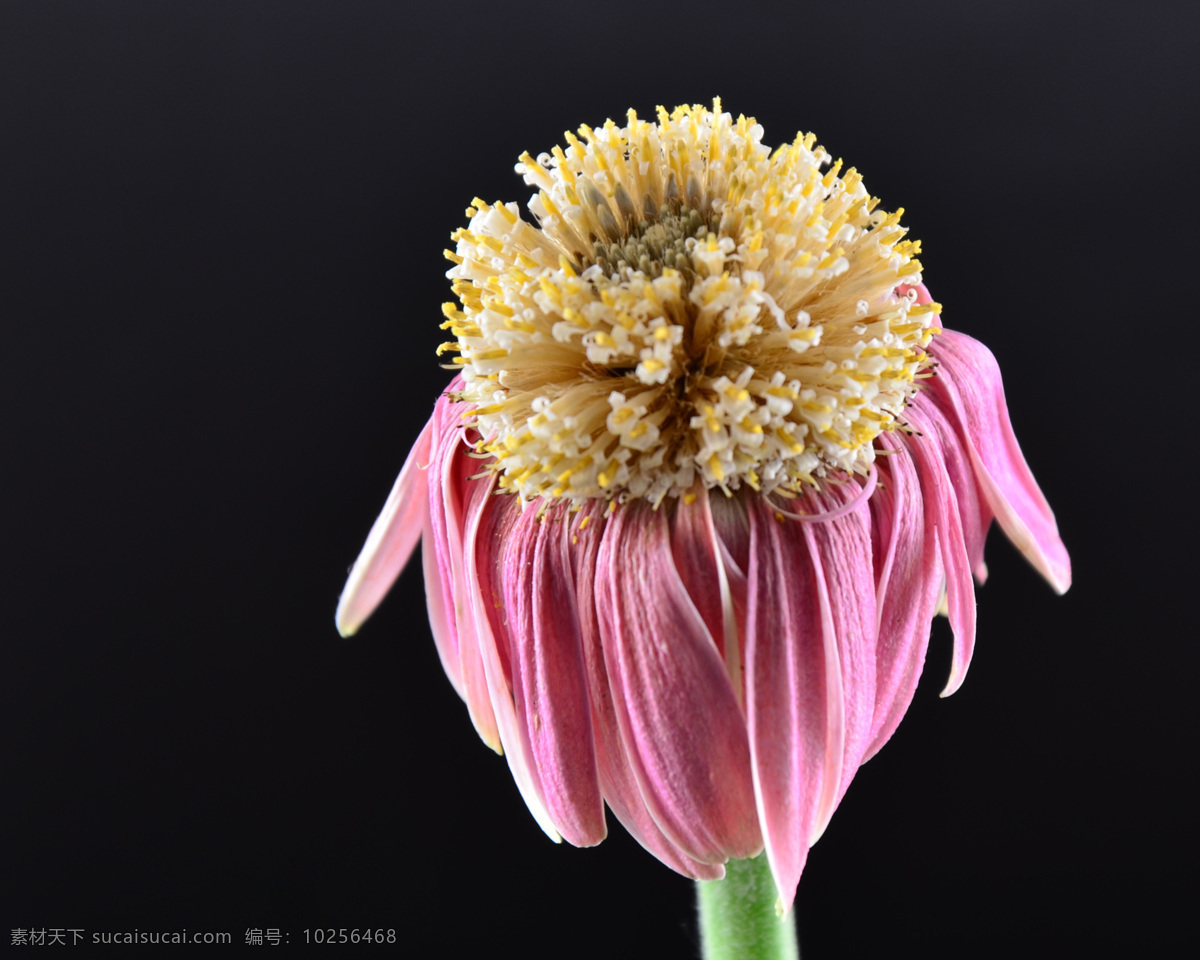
x=738, y=918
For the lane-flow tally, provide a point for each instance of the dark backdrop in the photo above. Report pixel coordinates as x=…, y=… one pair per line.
x=222, y=227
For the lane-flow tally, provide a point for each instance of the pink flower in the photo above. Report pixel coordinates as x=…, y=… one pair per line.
x=706, y=473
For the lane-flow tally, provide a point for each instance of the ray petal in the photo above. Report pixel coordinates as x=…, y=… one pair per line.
x=452, y=495
x=937, y=493
x=445, y=635
x=390, y=542
x=841, y=552
x=907, y=592
x=795, y=736
x=549, y=682
x=490, y=524
x=617, y=780
x=970, y=393
x=680, y=722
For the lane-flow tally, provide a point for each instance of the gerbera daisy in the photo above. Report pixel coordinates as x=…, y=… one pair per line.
x=708, y=468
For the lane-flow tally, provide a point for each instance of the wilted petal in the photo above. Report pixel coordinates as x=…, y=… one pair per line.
x=445, y=634
x=617, y=781
x=793, y=694
x=451, y=495
x=974, y=513
x=841, y=551
x=709, y=577
x=390, y=542
x=549, y=684
x=732, y=529
x=680, y=722
x=693, y=548
x=490, y=524
x=969, y=391
x=938, y=495
x=733, y=532
x=910, y=577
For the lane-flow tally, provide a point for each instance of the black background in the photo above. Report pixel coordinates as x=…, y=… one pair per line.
x=222, y=228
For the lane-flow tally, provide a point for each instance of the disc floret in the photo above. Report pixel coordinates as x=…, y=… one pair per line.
x=690, y=307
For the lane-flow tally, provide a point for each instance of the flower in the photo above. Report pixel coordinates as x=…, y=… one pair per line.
x=706, y=472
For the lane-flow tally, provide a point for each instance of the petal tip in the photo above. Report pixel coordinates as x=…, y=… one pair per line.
x=347, y=624
x=1060, y=578
x=953, y=685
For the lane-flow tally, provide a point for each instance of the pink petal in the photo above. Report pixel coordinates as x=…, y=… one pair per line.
x=733, y=531
x=451, y=494
x=810, y=669
x=390, y=542
x=731, y=527
x=708, y=575
x=489, y=527
x=973, y=510
x=548, y=679
x=680, y=722
x=969, y=392
x=693, y=548
x=439, y=587
x=841, y=552
x=445, y=636
x=910, y=580
x=793, y=694
x=617, y=780
x=937, y=492
x=975, y=516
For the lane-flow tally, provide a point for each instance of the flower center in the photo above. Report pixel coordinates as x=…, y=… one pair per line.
x=656, y=242
x=691, y=307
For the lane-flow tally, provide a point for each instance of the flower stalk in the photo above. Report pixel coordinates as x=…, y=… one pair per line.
x=740, y=915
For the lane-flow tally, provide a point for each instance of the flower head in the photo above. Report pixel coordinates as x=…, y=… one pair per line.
x=693, y=308
x=706, y=471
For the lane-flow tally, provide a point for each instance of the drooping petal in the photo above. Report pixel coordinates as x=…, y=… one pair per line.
x=793, y=694
x=617, y=780
x=445, y=634
x=937, y=493
x=969, y=392
x=731, y=527
x=841, y=552
x=549, y=683
x=810, y=669
x=443, y=521
x=680, y=722
x=705, y=569
x=974, y=513
x=489, y=525
x=733, y=530
x=390, y=542
x=693, y=548
x=451, y=494
x=910, y=577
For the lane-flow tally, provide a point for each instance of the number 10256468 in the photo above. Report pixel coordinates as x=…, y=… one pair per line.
x=346, y=935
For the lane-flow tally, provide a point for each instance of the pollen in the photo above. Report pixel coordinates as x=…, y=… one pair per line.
x=680, y=306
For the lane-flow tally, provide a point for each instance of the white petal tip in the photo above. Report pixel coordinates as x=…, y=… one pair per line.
x=1060, y=580
x=1052, y=562
x=347, y=625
